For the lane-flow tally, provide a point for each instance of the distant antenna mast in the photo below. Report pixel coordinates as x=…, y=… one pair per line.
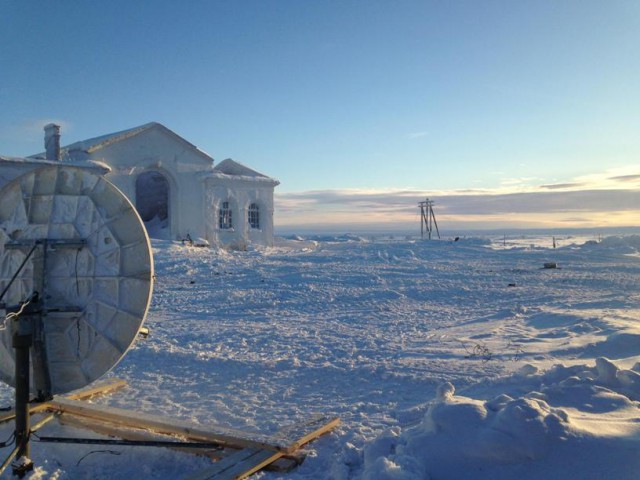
x=427, y=218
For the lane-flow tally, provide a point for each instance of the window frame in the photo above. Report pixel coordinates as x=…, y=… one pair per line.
x=253, y=216
x=225, y=216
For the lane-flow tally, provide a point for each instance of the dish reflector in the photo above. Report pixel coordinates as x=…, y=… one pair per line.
x=92, y=268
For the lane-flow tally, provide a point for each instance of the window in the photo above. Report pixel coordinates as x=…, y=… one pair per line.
x=254, y=216
x=224, y=217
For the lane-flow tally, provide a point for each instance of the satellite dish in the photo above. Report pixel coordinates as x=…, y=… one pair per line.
x=76, y=241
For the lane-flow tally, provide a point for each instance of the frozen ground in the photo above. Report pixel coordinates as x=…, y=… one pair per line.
x=445, y=360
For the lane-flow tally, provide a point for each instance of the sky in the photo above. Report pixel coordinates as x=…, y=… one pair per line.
x=506, y=114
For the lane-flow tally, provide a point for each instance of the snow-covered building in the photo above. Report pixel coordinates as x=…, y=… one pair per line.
x=175, y=186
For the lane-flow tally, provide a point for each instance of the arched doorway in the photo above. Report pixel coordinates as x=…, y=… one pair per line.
x=152, y=203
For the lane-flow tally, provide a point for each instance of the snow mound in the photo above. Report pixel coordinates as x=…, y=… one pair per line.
x=629, y=244
x=343, y=238
x=157, y=228
x=461, y=437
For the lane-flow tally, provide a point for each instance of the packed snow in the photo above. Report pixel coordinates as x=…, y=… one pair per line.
x=444, y=359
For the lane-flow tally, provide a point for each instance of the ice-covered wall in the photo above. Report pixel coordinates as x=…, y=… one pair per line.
x=240, y=193
x=159, y=150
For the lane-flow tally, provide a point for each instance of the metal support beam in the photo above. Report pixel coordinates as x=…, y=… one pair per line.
x=22, y=343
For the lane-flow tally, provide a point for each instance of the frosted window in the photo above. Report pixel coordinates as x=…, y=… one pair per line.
x=224, y=217
x=254, y=216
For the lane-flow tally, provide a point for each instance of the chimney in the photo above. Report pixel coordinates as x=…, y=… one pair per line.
x=52, y=141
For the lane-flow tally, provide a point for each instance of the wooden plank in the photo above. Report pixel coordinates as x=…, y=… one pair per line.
x=127, y=433
x=248, y=461
x=11, y=414
x=285, y=464
x=102, y=388
x=237, y=466
x=216, y=434
x=38, y=425
x=299, y=434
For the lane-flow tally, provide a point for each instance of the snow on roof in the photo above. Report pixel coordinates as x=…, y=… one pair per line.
x=80, y=151
x=92, y=144
x=230, y=167
x=74, y=151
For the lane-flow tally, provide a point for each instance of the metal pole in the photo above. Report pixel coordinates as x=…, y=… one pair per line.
x=423, y=219
x=22, y=343
x=435, y=222
x=429, y=217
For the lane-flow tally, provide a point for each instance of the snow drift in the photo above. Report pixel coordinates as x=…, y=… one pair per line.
x=445, y=360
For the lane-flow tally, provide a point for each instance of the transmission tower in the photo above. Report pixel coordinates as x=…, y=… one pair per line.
x=427, y=218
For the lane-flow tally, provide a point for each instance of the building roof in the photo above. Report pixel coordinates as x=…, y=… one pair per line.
x=80, y=150
x=231, y=168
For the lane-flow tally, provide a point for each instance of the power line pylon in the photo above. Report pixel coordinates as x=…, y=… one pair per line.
x=427, y=218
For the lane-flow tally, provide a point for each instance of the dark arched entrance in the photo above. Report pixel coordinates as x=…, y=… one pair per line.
x=152, y=203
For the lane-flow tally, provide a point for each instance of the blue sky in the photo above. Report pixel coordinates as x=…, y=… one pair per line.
x=353, y=105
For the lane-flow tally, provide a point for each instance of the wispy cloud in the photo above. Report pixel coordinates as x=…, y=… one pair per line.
x=618, y=177
x=626, y=178
x=562, y=186
x=585, y=203
x=518, y=182
x=415, y=135
x=464, y=203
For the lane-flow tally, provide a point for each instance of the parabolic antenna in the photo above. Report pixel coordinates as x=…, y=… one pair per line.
x=77, y=242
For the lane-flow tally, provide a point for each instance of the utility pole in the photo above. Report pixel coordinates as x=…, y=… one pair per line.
x=427, y=218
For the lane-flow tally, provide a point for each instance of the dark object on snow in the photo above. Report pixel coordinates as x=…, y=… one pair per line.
x=200, y=242
x=456, y=239
x=551, y=265
x=188, y=240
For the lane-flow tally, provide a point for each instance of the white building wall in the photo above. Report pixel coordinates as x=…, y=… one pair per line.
x=179, y=163
x=240, y=194
x=196, y=189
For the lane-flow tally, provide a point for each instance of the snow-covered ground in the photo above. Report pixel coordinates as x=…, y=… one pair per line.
x=445, y=360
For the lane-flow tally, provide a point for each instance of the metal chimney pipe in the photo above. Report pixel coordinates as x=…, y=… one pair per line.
x=52, y=141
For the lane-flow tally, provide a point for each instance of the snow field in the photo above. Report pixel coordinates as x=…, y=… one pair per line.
x=444, y=360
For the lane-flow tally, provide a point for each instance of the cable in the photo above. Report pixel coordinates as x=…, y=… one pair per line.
x=9, y=441
x=24, y=262
x=112, y=452
x=14, y=315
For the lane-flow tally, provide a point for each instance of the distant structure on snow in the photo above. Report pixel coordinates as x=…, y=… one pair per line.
x=427, y=218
